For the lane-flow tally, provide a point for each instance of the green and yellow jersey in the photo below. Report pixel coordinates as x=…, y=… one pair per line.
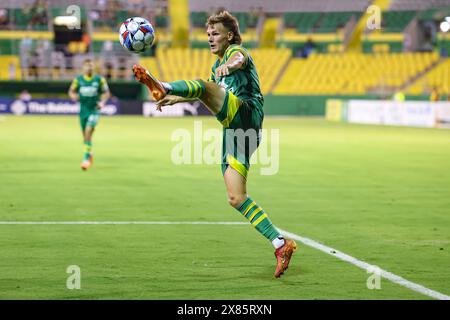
x=243, y=83
x=89, y=90
x=242, y=109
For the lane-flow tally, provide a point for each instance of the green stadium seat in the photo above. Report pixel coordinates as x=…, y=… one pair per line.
x=9, y=46
x=246, y=20
x=308, y=21
x=396, y=21
x=243, y=19
x=198, y=19
x=434, y=14
x=428, y=14
x=21, y=19
x=331, y=21
x=303, y=22
x=162, y=21
x=121, y=16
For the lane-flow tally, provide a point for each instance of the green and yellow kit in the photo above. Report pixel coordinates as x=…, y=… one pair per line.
x=242, y=109
x=89, y=90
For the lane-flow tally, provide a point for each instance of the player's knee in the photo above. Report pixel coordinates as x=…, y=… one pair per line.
x=203, y=84
x=235, y=200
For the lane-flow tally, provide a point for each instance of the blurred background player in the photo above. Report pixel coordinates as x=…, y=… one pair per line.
x=92, y=91
x=233, y=95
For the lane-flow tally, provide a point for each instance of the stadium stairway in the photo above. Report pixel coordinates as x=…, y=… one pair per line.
x=179, y=17
x=420, y=74
x=269, y=32
x=436, y=76
x=354, y=42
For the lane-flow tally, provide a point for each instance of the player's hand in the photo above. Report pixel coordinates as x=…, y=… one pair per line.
x=222, y=71
x=168, y=100
x=74, y=97
x=100, y=104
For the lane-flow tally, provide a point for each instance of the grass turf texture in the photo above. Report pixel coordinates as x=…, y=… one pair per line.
x=380, y=194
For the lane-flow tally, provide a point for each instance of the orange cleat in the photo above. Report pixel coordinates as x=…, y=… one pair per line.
x=283, y=255
x=85, y=165
x=91, y=159
x=154, y=85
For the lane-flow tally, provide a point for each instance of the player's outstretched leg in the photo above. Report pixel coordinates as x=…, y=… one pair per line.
x=158, y=89
x=154, y=85
x=212, y=95
x=238, y=198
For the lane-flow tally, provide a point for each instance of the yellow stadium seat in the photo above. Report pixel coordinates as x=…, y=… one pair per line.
x=352, y=73
x=150, y=64
x=438, y=77
x=177, y=63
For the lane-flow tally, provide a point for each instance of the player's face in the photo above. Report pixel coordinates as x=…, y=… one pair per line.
x=219, y=38
x=88, y=68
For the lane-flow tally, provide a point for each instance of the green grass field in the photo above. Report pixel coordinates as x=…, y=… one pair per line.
x=380, y=194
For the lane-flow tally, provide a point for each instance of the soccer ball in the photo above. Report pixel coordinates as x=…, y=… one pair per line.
x=136, y=34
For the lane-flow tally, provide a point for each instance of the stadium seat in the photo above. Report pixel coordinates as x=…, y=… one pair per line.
x=302, y=22
x=198, y=19
x=396, y=21
x=269, y=63
x=437, y=77
x=352, y=73
x=331, y=21
x=151, y=64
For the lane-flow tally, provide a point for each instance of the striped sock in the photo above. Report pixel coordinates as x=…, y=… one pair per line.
x=186, y=88
x=259, y=219
x=87, y=150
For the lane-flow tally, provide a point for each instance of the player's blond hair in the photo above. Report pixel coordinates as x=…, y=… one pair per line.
x=229, y=22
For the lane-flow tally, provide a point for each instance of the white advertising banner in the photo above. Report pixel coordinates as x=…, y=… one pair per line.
x=443, y=112
x=407, y=113
x=365, y=111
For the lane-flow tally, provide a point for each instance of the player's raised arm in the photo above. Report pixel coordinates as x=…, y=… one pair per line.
x=236, y=61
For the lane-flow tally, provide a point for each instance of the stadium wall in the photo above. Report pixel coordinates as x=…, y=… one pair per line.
x=45, y=89
x=131, y=95
x=304, y=105
x=310, y=105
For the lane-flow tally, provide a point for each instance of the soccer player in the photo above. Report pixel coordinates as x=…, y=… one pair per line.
x=233, y=95
x=92, y=91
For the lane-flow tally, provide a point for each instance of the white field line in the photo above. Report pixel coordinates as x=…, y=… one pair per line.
x=365, y=266
x=117, y=222
x=306, y=241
